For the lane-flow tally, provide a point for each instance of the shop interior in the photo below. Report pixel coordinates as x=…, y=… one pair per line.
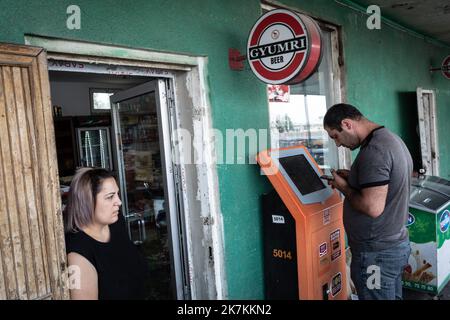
x=84, y=131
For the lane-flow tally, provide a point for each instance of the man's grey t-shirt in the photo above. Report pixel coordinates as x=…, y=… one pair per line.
x=383, y=159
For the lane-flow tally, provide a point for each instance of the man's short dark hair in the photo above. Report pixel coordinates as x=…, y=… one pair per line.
x=339, y=112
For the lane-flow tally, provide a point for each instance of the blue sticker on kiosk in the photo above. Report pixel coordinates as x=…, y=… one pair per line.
x=411, y=219
x=444, y=222
x=323, y=249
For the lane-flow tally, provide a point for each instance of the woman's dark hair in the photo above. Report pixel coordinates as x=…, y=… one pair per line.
x=84, y=188
x=339, y=112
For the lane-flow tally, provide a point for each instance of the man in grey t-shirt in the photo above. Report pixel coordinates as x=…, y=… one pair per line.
x=376, y=191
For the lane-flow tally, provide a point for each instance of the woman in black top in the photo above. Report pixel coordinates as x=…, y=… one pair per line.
x=103, y=263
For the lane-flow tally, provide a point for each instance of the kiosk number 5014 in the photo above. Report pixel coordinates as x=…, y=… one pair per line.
x=282, y=254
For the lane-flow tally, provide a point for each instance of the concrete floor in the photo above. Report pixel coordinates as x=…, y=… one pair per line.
x=416, y=295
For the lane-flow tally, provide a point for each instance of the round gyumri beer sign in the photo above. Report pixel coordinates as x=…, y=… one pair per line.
x=446, y=67
x=284, y=47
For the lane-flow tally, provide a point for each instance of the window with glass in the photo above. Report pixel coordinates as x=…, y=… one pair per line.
x=296, y=111
x=100, y=100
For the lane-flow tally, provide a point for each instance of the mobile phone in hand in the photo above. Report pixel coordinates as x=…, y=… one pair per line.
x=327, y=177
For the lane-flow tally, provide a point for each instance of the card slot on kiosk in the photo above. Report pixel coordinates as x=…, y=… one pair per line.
x=304, y=246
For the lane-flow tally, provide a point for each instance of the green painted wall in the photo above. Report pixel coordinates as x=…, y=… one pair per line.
x=383, y=67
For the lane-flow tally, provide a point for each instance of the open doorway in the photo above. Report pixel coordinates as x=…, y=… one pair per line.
x=124, y=138
x=419, y=129
x=427, y=130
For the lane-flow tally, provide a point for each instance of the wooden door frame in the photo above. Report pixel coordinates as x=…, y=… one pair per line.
x=428, y=129
x=34, y=257
x=189, y=75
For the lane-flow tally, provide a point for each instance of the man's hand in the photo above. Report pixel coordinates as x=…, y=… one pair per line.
x=339, y=182
x=344, y=173
x=370, y=201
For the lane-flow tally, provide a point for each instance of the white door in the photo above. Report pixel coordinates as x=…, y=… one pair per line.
x=426, y=110
x=141, y=123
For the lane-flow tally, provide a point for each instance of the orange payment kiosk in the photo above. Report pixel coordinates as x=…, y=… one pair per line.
x=304, y=246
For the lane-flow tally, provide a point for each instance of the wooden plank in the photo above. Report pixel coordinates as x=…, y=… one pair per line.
x=37, y=174
x=60, y=291
x=42, y=168
x=24, y=185
x=434, y=134
x=21, y=50
x=17, y=221
x=45, y=297
x=6, y=257
x=35, y=210
x=2, y=272
x=13, y=235
x=46, y=196
x=13, y=60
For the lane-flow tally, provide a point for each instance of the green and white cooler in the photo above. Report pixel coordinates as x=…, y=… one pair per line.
x=428, y=267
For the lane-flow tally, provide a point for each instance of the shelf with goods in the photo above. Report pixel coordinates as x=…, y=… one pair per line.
x=92, y=121
x=142, y=162
x=143, y=118
x=141, y=158
x=144, y=180
x=139, y=133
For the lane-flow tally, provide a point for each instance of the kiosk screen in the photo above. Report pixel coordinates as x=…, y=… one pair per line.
x=302, y=174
